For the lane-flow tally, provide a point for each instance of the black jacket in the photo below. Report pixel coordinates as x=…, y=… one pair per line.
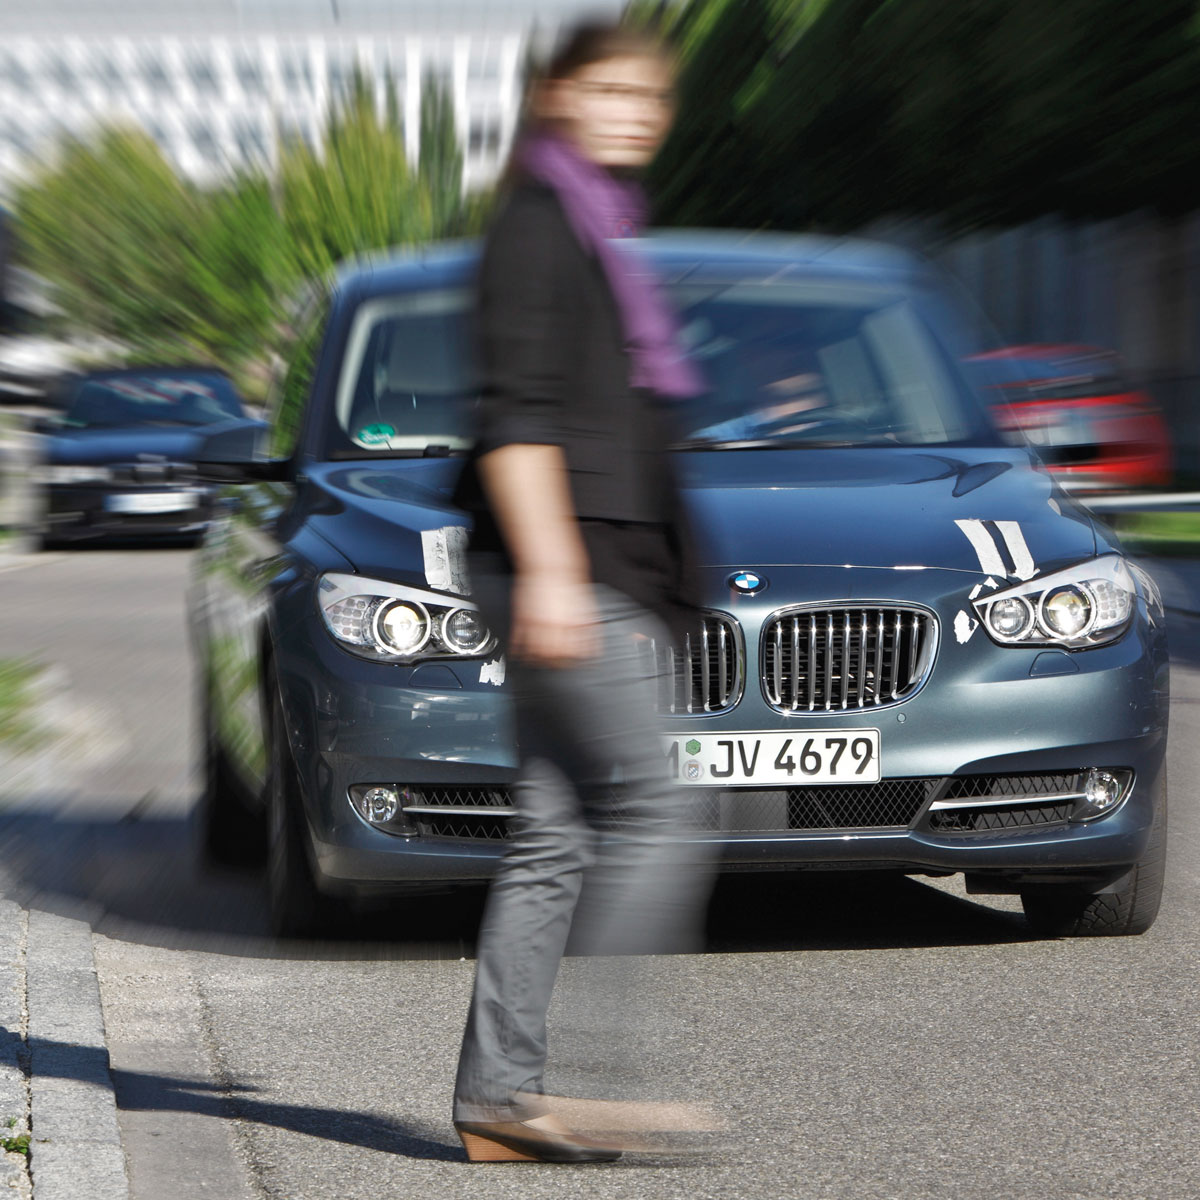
x=555, y=372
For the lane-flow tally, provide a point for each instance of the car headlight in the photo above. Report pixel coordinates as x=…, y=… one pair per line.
x=389, y=622
x=1086, y=605
x=73, y=473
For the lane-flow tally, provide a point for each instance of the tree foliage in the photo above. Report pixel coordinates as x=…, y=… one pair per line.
x=173, y=272
x=111, y=226
x=805, y=112
x=357, y=193
x=440, y=160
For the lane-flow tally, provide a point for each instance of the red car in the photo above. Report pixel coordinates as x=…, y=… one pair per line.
x=1073, y=403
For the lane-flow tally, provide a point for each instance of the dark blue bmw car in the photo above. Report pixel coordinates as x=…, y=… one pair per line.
x=915, y=654
x=118, y=461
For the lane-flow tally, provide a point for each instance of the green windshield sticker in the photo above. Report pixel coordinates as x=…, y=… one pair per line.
x=375, y=435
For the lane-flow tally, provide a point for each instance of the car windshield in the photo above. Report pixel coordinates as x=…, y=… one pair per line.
x=408, y=382
x=152, y=399
x=784, y=364
x=821, y=363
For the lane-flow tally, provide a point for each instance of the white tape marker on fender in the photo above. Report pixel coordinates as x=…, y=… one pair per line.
x=492, y=672
x=964, y=627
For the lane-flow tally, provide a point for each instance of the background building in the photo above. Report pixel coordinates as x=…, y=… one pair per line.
x=219, y=83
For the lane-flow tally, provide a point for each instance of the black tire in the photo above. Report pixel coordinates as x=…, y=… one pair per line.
x=1068, y=912
x=233, y=830
x=299, y=909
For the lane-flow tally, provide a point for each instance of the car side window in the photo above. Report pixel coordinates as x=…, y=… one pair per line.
x=295, y=371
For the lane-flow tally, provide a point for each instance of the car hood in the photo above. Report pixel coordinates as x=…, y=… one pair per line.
x=990, y=511
x=122, y=445
x=375, y=514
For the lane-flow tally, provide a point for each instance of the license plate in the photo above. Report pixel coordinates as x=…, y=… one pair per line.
x=773, y=758
x=149, y=502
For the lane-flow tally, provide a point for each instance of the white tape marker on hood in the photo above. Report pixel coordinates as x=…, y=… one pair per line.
x=990, y=562
x=445, y=553
x=1023, y=564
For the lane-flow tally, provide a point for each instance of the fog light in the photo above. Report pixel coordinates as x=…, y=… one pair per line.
x=377, y=805
x=1102, y=792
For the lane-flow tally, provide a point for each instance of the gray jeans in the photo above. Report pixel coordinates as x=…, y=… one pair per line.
x=579, y=729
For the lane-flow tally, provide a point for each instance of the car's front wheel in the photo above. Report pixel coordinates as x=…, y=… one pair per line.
x=1130, y=908
x=298, y=907
x=232, y=832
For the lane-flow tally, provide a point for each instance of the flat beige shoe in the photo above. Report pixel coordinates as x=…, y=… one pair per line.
x=540, y=1139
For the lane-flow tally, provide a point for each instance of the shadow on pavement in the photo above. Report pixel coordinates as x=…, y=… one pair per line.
x=141, y=881
x=146, y=1092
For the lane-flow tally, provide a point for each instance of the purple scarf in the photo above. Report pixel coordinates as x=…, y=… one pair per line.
x=600, y=207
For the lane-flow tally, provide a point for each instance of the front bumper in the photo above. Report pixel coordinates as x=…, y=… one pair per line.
x=984, y=711
x=87, y=511
x=21, y=387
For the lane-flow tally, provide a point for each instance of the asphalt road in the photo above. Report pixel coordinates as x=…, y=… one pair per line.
x=863, y=1038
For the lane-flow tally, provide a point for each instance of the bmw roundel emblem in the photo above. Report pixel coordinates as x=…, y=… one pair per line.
x=747, y=582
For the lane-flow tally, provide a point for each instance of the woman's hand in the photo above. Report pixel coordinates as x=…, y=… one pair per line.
x=553, y=620
x=553, y=615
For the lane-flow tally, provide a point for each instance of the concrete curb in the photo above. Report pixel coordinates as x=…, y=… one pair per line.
x=75, y=1153
x=14, y=1058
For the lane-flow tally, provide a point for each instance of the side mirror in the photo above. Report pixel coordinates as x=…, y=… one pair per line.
x=236, y=453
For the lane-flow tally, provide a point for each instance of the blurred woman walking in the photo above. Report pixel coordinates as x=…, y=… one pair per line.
x=578, y=552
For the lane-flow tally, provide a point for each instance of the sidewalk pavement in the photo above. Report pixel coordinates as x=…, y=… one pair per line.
x=54, y=1072
x=14, y=1085
x=56, y=1088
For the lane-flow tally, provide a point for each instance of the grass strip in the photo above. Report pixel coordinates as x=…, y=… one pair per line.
x=17, y=730
x=1167, y=533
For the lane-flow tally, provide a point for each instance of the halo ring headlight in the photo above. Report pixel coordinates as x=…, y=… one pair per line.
x=1068, y=611
x=401, y=626
x=1079, y=607
x=1010, y=617
x=464, y=632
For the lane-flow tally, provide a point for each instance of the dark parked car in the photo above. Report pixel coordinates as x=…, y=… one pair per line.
x=916, y=653
x=119, y=460
x=1090, y=425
